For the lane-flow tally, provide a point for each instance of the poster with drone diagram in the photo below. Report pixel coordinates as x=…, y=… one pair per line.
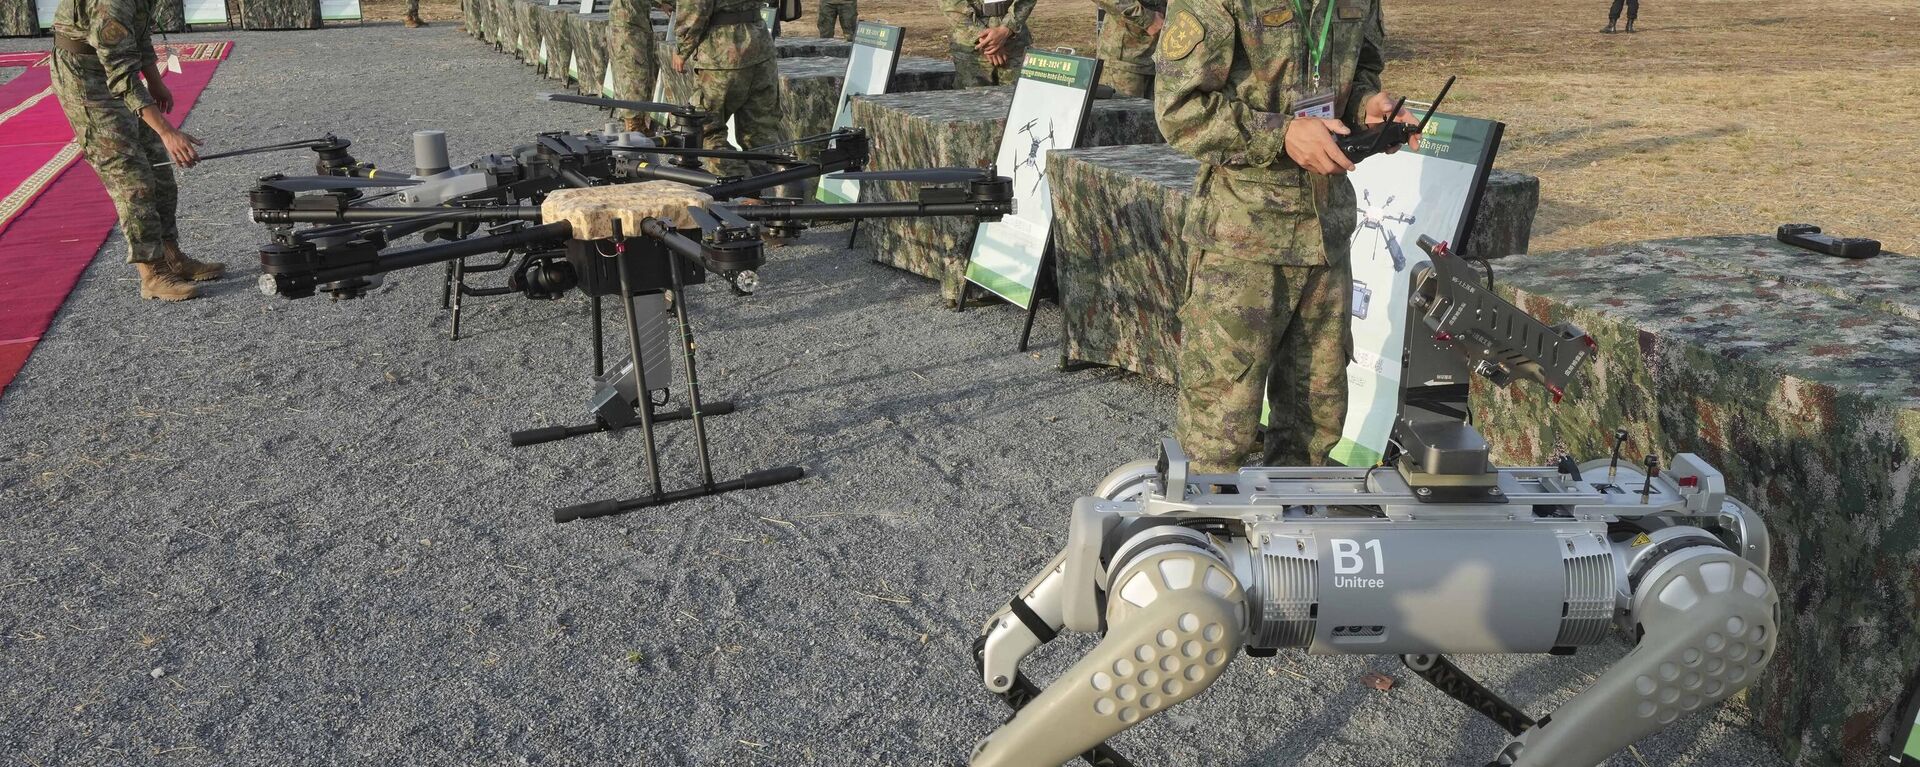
x=870, y=66
x=1050, y=104
x=1432, y=191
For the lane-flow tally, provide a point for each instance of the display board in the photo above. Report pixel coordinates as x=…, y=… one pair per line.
x=1432, y=191
x=43, y=12
x=870, y=68
x=339, y=10
x=1050, y=105
x=586, y=6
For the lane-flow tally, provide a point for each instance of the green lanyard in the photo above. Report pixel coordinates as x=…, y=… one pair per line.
x=1315, y=52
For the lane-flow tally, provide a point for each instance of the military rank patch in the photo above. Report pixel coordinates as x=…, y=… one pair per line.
x=1181, y=36
x=113, y=32
x=1277, y=17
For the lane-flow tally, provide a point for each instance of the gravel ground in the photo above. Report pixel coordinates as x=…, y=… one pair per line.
x=253, y=531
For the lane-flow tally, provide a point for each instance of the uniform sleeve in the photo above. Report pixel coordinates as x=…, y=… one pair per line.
x=1366, y=74
x=1196, y=112
x=691, y=21
x=965, y=27
x=1017, y=18
x=1128, y=12
x=121, y=50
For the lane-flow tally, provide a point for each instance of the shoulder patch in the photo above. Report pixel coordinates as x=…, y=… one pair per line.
x=1278, y=17
x=1181, y=36
x=113, y=32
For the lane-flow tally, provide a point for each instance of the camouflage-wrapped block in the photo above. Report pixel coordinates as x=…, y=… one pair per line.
x=532, y=19
x=18, y=18
x=473, y=13
x=811, y=47
x=810, y=91
x=587, y=41
x=957, y=128
x=555, y=34
x=279, y=14
x=1123, y=265
x=1798, y=376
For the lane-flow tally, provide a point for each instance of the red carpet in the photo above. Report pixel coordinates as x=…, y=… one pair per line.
x=54, y=214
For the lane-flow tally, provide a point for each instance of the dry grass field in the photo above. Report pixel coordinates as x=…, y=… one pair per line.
x=1717, y=116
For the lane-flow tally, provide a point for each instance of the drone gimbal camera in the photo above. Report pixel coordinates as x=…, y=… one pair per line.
x=1441, y=552
x=609, y=214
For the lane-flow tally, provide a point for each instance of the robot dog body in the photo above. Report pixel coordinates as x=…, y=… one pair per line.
x=1439, y=553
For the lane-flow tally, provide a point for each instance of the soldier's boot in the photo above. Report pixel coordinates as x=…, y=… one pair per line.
x=1629, y=26
x=634, y=124
x=157, y=281
x=189, y=268
x=1610, y=27
x=414, y=22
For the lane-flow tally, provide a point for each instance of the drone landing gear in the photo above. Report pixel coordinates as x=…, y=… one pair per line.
x=696, y=411
x=546, y=434
x=456, y=287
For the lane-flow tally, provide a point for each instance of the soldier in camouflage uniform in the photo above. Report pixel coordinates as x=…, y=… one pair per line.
x=735, y=75
x=845, y=12
x=630, y=52
x=1256, y=93
x=413, y=15
x=989, y=40
x=1127, y=40
x=101, y=51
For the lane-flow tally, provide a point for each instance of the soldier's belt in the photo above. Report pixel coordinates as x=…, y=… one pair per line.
x=70, y=45
x=736, y=17
x=993, y=9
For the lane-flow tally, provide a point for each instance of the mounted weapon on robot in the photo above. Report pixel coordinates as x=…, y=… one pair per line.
x=1437, y=551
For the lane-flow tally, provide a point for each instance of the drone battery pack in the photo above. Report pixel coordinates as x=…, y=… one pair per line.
x=1809, y=237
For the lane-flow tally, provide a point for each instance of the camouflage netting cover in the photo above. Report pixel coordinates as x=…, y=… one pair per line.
x=810, y=91
x=1123, y=265
x=533, y=19
x=957, y=128
x=473, y=13
x=1798, y=376
x=556, y=32
x=811, y=47
x=19, y=19
x=587, y=40
x=279, y=14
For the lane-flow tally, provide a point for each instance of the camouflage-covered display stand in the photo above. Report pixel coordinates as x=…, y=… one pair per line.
x=587, y=41
x=1123, y=265
x=810, y=91
x=1798, y=376
x=812, y=47
x=957, y=128
x=19, y=19
x=279, y=14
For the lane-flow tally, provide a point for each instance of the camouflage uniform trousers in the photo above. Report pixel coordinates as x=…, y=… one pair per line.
x=122, y=151
x=1125, y=83
x=751, y=96
x=846, y=13
x=1250, y=328
x=971, y=70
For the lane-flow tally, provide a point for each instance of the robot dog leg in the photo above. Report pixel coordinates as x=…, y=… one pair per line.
x=1706, y=620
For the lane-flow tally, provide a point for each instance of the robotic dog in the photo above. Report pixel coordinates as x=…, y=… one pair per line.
x=1439, y=553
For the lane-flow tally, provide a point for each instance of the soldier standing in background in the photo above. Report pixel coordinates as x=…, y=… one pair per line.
x=846, y=12
x=989, y=40
x=630, y=51
x=1257, y=99
x=731, y=55
x=101, y=51
x=1126, y=44
x=1613, y=15
x=413, y=15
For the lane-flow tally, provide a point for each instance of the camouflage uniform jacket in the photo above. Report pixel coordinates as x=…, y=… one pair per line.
x=707, y=45
x=968, y=19
x=122, y=40
x=1124, y=42
x=1228, y=73
x=630, y=51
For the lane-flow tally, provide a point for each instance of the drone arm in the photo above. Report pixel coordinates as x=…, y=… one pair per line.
x=674, y=173
x=356, y=215
x=863, y=210
x=290, y=271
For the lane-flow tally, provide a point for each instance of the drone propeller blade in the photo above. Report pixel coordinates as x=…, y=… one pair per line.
x=703, y=217
x=637, y=106
x=922, y=175
x=317, y=183
x=731, y=218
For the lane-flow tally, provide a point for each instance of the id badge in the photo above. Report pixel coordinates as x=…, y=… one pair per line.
x=1315, y=105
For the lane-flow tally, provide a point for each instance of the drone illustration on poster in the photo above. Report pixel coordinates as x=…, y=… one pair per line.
x=1376, y=219
x=1033, y=151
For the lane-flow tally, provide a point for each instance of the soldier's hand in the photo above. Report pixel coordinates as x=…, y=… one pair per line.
x=180, y=146
x=1376, y=110
x=162, y=96
x=679, y=63
x=1310, y=144
x=1159, y=20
